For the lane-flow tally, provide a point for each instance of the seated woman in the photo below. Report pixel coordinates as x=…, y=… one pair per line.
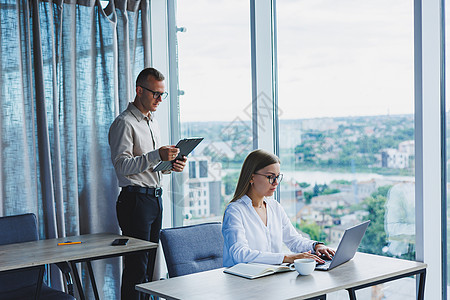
x=254, y=227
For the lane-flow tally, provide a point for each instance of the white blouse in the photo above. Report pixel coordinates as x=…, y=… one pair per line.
x=247, y=239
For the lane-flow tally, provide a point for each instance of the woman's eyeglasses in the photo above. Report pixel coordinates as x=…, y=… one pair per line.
x=272, y=178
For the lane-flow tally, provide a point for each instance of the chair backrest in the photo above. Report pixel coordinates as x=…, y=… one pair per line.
x=18, y=229
x=193, y=249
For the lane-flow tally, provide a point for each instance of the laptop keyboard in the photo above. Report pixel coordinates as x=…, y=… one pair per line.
x=323, y=266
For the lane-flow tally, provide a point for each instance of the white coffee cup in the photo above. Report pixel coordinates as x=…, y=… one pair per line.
x=304, y=266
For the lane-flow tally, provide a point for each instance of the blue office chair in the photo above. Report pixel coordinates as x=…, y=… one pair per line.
x=22, y=284
x=193, y=249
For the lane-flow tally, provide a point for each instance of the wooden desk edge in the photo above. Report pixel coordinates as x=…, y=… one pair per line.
x=417, y=268
x=114, y=251
x=161, y=295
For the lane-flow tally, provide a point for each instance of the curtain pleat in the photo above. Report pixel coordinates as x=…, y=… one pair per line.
x=17, y=117
x=123, y=46
x=69, y=71
x=45, y=163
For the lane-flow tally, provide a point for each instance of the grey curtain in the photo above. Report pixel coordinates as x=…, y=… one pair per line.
x=67, y=69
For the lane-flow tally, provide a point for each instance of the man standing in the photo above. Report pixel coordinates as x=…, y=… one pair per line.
x=134, y=139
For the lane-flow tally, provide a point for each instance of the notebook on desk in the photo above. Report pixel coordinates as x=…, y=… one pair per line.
x=347, y=247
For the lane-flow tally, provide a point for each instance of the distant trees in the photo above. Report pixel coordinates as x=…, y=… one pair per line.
x=375, y=240
x=341, y=181
x=230, y=181
x=303, y=185
x=306, y=152
x=319, y=189
x=313, y=230
x=356, y=143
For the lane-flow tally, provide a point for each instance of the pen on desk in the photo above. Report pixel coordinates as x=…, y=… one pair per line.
x=68, y=243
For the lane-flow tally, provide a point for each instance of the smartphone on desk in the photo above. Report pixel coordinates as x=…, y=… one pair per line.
x=119, y=242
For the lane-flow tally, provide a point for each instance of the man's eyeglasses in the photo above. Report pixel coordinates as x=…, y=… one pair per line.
x=272, y=178
x=156, y=95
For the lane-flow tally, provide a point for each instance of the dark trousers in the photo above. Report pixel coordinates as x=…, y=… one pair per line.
x=139, y=216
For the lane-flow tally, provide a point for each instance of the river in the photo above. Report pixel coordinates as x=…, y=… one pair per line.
x=321, y=177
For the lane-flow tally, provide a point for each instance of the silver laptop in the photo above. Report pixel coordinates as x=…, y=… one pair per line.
x=347, y=247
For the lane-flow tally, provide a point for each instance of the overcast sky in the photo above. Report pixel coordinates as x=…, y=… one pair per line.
x=336, y=58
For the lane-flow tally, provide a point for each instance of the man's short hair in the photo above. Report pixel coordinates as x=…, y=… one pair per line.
x=143, y=76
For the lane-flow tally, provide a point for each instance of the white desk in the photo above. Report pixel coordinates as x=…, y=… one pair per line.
x=93, y=246
x=362, y=271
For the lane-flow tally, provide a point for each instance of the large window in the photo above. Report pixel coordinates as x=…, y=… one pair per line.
x=215, y=77
x=346, y=103
x=447, y=140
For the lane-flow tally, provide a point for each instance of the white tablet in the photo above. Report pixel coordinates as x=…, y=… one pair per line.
x=186, y=146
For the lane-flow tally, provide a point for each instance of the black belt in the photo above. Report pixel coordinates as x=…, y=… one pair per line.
x=156, y=192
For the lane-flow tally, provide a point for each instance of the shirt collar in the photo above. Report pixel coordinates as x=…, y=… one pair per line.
x=248, y=201
x=137, y=113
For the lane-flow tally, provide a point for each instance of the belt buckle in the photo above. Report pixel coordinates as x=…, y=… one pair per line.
x=158, y=192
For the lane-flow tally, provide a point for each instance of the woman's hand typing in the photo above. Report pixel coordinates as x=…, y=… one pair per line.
x=324, y=251
x=291, y=257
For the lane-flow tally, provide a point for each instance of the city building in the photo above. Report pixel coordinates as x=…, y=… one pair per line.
x=394, y=159
x=203, y=195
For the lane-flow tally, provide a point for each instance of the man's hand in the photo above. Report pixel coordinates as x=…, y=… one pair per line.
x=179, y=164
x=168, y=153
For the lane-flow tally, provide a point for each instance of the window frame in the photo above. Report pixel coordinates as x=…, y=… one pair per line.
x=430, y=172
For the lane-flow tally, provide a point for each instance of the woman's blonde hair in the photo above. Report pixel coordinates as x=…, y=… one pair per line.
x=255, y=161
